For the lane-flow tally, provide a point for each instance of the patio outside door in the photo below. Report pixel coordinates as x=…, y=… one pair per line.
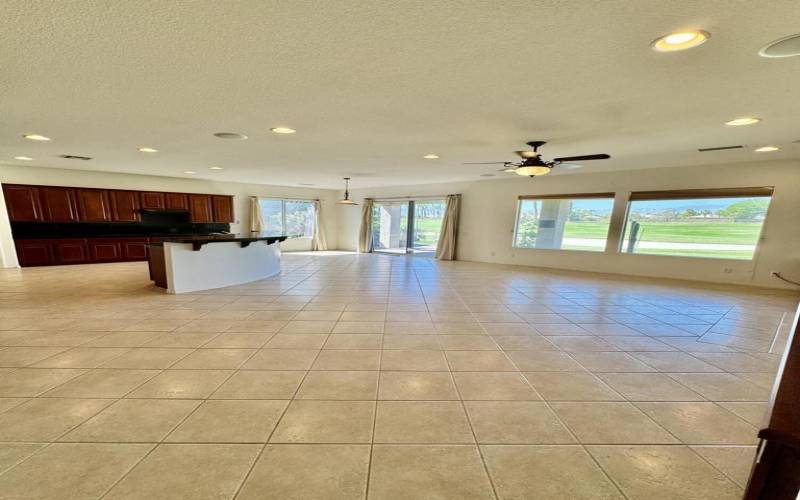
x=407, y=227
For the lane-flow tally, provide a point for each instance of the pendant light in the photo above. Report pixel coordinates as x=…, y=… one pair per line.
x=346, y=200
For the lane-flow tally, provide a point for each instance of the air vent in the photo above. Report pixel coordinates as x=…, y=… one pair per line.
x=75, y=157
x=720, y=148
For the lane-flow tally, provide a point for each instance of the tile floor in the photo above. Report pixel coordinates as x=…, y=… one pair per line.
x=381, y=377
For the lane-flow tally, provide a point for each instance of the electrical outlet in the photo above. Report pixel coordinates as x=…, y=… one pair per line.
x=727, y=270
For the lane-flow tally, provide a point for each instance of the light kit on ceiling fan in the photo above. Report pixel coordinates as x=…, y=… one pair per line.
x=532, y=164
x=346, y=200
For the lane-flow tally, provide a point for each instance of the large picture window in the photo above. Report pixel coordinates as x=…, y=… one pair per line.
x=566, y=222
x=294, y=218
x=720, y=223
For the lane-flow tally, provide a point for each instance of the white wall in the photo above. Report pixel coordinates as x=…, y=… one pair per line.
x=488, y=213
x=241, y=193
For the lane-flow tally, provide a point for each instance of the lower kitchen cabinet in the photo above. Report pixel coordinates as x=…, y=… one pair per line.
x=35, y=253
x=73, y=251
x=105, y=250
x=62, y=251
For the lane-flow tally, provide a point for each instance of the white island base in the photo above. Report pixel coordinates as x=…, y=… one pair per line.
x=219, y=264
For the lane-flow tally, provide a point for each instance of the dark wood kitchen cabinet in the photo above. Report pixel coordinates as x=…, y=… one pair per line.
x=71, y=251
x=223, y=208
x=105, y=249
x=134, y=248
x=153, y=200
x=125, y=206
x=35, y=253
x=23, y=203
x=93, y=205
x=200, y=208
x=58, y=204
x=176, y=201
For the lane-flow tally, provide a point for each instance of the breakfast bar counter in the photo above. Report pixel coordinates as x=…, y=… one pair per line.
x=202, y=262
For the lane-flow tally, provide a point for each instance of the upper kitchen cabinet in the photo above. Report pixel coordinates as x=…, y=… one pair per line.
x=176, y=201
x=223, y=208
x=93, y=205
x=125, y=206
x=152, y=200
x=58, y=204
x=23, y=203
x=200, y=208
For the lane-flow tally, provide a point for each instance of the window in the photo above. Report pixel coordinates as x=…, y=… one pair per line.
x=720, y=223
x=566, y=222
x=408, y=226
x=294, y=218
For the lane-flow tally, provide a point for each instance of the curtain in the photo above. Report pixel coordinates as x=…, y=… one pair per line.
x=256, y=221
x=318, y=239
x=448, y=236
x=365, y=235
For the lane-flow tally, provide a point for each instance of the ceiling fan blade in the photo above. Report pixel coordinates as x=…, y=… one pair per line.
x=582, y=158
x=487, y=163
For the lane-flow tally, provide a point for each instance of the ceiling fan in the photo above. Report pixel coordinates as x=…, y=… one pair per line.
x=532, y=163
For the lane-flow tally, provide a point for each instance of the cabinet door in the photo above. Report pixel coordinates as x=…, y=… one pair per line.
x=93, y=205
x=176, y=201
x=58, y=204
x=200, y=208
x=152, y=199
x=223, y=208
x=23, y=203
x=105, y=250
x=71, y=251
x=134, y=248
x=125, y=206
x=35, y=252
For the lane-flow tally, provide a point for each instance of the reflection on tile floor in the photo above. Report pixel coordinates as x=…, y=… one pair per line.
x=381, y=377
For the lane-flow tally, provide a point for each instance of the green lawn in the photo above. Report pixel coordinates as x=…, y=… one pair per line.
x=740, y=233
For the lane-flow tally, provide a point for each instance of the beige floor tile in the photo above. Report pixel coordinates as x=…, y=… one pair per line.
x=214, y=359
x=13, y=453
x=317, y=316
x=415, y=342
x=8, y=403
x=256, y=326
x=413, y=360
x=307, y=327
x=516, y=422
x=347, y=359
x=752, y=412
x=479, y=361
x=260, y=384
x=434, y=471
x=467, y=342
x=133, y=421
x=674, y=362
x=67, y=471
x=126, y=339
x=419, y=422
x=663, y=472
x=531, y=342
x=494, y=386
x=15, y=357
x=460, y=328
x=238, y=341
x=363, y=327
x=722, y=386
x=155, y=325
x=324, y=471
x=326, y=422
x=47, y=419
x=611, y=362
x=30, y=382
x=734, y=461
x=281, y=359
x=571, y=386
x=274, y=315
x=82, y=357
x=648, y=387
x=146, y=358
x=546, y=472
x=296, y=341
x=339, y=385
x=181, y=340
x=582, y=344
x=544, y=361
x=353, y=341
x=188, y=471
x=206, y=326
x=421, y=386
x=737, y=362
x=182, y=384
x=230, y=422
x=102, y=383
x=701, y=423
x=371, y=316
x=409, y=328
x=611, y=423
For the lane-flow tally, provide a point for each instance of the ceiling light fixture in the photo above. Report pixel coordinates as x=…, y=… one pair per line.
x=346, y=200
x=36, y=137
x=683, y=40
x=745, y=120
x=784, y=47
x=230, y=135
x=215, y=168
x=767, y=149
x=145, y=149
x=283, y=130
x=532, y=170
x=23, y=158
x=431, y=156
x=190, y=172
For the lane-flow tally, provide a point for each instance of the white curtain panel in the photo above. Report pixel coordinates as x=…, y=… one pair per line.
x=318, y=241
x=365, y=234
x=448, y=236
x=256, y=220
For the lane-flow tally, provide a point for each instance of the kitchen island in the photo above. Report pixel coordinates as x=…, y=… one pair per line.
x=202, y=262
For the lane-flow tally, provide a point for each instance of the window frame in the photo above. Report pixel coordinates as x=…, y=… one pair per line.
x=283, y=213
x=574, y=196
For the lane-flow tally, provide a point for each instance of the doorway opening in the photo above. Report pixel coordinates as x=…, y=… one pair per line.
x=407, y=227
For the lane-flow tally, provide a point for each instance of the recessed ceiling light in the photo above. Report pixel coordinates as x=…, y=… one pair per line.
x=745, y=120
x=283, y=130
x=215, y=168
x=23, y=158
x=145, y=149
x=682, y=40
x=431, y=157
x=230, y=135
x=785, y=47
x=190, y=172
x=36, y=137
x=766, y=149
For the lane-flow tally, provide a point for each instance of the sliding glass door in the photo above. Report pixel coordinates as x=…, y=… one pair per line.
x=407, y=227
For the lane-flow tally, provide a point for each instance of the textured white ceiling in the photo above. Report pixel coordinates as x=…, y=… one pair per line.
x=373, y=85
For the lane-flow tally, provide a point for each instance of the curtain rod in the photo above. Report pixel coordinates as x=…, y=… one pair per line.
x=426, y=197
x=284, y=198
